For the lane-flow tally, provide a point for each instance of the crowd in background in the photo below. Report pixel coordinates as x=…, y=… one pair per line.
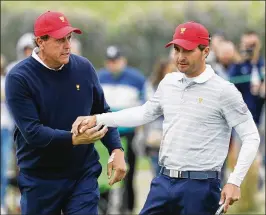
x=125, y=86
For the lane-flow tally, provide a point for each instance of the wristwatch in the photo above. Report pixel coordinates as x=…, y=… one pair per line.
x=121, y=148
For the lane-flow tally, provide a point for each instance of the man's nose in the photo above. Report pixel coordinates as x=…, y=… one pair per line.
x=181, y=56
x=67, y=44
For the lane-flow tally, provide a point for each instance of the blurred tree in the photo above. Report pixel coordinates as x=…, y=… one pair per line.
x=141, y=34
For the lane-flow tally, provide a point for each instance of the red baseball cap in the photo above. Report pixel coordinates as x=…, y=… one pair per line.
x=189, y=35
x=54, y=24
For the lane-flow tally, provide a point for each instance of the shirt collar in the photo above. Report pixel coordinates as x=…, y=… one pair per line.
x=203, y=77
x=36, y=57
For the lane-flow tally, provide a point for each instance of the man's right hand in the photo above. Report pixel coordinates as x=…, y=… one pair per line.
x=90, y=135
x=84, y=122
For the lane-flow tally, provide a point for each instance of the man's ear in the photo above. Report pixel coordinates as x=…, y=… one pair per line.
x=206, y=51
x=40, y=42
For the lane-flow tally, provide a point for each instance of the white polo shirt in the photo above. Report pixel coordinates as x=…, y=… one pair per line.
x=198, y=118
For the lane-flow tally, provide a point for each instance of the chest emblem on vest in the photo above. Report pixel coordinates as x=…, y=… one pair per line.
x=77, y=86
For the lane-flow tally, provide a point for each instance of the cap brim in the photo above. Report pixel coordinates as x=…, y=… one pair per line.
x=112, y=58
x=62, y=32
x=183, y=43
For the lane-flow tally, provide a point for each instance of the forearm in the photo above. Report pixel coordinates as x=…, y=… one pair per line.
x=112, y=140
x=131, y=117
x=40, y=136
x=250, y=138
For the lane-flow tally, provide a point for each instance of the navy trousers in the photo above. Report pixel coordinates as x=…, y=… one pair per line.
x=182, y=196
x=79, y=195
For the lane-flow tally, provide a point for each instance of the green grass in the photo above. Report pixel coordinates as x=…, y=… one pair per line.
x=142, y=164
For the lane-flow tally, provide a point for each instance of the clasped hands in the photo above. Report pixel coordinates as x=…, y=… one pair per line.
x=85, y=131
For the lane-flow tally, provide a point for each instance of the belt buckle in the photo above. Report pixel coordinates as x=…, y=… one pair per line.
x=175, y=173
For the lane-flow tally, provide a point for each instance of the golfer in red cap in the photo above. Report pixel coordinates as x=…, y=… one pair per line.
x=200, y=110
x=45, y=93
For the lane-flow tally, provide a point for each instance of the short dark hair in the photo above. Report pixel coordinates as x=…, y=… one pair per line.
x=250, y=32
x=202, y=47
x=44, y=37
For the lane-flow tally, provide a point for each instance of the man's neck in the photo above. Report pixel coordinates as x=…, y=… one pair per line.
x=195, y=74
x=117, y=74
x=50, y=65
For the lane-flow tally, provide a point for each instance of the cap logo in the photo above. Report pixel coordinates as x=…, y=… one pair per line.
x=62, y=18
x=182, y=30
x=111, y=51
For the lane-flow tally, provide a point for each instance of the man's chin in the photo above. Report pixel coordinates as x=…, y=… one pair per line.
x=65, y=61
x=182, y=70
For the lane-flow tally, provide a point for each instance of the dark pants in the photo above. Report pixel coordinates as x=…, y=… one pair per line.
x=128, y=202
x=182, y=196
x=51, y=196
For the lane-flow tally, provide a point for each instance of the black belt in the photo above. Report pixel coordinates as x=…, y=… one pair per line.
x=190, y=174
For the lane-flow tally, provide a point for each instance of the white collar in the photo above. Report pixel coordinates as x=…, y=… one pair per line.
x=36, y=57
x=203, y=77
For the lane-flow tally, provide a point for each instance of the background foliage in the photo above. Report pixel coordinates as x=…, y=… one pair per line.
x=141, y=29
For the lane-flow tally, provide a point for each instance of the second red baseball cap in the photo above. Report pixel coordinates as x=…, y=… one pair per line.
x=189, y=35
x=54, y=24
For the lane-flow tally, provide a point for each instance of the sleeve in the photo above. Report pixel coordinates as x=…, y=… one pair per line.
x=112, y=138
x=233, y=107
x=25, y=114
x=135, y=116
x=250, y=138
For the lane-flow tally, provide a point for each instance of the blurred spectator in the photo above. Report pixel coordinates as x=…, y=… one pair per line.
x=123, y=88
x=262, y=133
x=153, y=130
x=248, y=75
x=216, y=39
x=6, y=138
x=226, y=55
x=76, y=46
x=24, y=49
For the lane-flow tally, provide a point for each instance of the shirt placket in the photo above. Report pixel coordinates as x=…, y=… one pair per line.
x=185, y=90
x=171, y=142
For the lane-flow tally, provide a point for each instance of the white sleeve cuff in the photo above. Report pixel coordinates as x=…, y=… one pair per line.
x=233, y=179
x=106, y=119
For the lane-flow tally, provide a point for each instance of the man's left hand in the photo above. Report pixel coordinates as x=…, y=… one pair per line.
x=117, y=163
x=229, y=195
x=256, y=51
